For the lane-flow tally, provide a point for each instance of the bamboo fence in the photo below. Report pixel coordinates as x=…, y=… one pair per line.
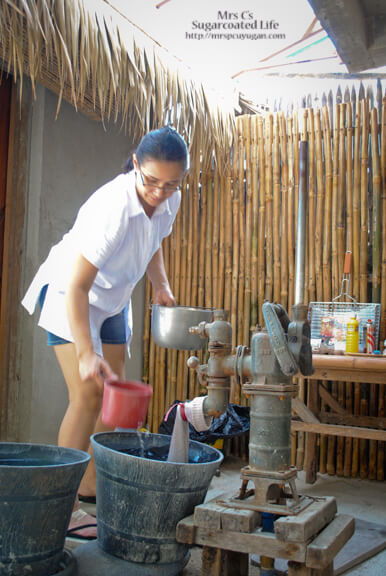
x=233, y=245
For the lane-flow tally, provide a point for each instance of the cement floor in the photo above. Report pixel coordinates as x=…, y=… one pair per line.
x=362, y=499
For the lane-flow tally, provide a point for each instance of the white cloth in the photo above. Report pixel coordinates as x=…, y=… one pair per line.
x=179, y=442
x=112, y=232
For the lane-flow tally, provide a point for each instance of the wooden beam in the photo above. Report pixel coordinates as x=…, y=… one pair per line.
x=330, y=401
x=351, y=420
x=345, y=23
x=363, y=369
x=10, y=342
x=303, y=411
x=322, y=551
x=302, y=527
x=332, y=430
x=262, y=543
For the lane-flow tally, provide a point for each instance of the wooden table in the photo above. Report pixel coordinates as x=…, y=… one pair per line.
x=361, y=369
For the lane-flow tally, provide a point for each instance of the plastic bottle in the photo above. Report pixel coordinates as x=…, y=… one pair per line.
x=352, y=335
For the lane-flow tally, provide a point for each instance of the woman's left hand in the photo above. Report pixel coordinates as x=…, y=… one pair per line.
x=164, y=296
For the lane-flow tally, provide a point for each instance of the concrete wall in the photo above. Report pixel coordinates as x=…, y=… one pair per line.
x=70, y=157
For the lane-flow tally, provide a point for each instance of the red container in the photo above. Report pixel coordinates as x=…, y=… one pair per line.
x=125, y=404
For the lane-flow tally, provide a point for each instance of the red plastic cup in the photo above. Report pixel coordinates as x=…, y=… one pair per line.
x=125, y=404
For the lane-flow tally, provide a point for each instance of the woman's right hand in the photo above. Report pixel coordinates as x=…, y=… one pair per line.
x=94, y=367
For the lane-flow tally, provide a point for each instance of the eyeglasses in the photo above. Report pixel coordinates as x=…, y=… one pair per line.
x=168, y=189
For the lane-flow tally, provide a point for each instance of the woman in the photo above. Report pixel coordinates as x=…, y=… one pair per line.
x=85, y=285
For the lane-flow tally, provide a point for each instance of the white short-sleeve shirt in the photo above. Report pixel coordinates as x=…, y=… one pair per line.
x=112, y=232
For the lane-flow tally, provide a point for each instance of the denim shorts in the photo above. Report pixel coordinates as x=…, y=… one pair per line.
x=113, y=329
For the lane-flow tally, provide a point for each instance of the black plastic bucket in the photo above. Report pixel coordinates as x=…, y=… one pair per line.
x=38, y=485
x=141, y=500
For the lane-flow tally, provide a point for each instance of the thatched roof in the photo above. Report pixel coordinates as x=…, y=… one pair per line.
x=95, y=58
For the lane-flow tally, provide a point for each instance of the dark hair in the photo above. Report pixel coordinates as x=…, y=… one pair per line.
x=164, y=144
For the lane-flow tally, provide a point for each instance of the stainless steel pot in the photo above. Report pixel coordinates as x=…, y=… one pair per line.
x=170, y=326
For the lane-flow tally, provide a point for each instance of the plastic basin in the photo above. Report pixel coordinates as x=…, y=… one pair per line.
x=125, y=404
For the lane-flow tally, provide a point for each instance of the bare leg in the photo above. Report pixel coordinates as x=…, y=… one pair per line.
x=115, y=356
x=85, y=399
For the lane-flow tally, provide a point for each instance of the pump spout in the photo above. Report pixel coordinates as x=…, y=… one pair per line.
x=215, y=374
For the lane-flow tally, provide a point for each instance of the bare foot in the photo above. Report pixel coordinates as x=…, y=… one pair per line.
x=86, y=524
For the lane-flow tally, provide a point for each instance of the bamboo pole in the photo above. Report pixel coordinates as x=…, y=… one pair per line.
x=268, y=206
x=311, y=209
x=327, y=207
x=363, y=445
x=348, y=449
x=146, y=332
x=349, y=177
x=209, y=245
x=364, y=220
x=376, y=239
x=291, y=218
x=249, y=168
x=255, y=221
x=219, y=303
x=235, y=251
x=203, y=220
x=276, y=211
x=340, y=222
x=356, y=202
x=196, y=222
x=355, y=451
x=283, y=212
x=331, y=442
x=241, y=214
x=334, y=211
x=190, y=247
x=215, y=238
x=381, y=445
x=340, y=236
x=261, y=222
x=319, y=208
x=383, y=175
x=230, y=239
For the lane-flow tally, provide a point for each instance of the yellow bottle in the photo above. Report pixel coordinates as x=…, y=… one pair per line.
x=352, y=335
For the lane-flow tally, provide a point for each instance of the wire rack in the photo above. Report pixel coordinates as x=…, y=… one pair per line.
x=342, y=312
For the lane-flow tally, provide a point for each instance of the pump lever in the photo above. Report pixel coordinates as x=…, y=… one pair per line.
x=278, y=340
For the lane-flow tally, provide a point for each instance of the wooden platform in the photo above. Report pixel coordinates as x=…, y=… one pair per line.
x=309, y=541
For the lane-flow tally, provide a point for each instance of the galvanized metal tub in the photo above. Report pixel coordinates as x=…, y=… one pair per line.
x=140, y=501
x=38, y=485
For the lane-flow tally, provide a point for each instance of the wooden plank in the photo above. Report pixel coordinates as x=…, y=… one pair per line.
x=208, y=515
x=303, y=411
x=256, y=542
x=240, y=520
x=296, y=569
x=330, y=541
x=309, y=522
x=330, y=400
x=332, y=430
x=212, y=561
x=214, y=516
x=352, y=420
x=236, y=563
x=186, y=530
x=368, y=540
x=218, y=562
x=13, y=389
x=349, y=368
